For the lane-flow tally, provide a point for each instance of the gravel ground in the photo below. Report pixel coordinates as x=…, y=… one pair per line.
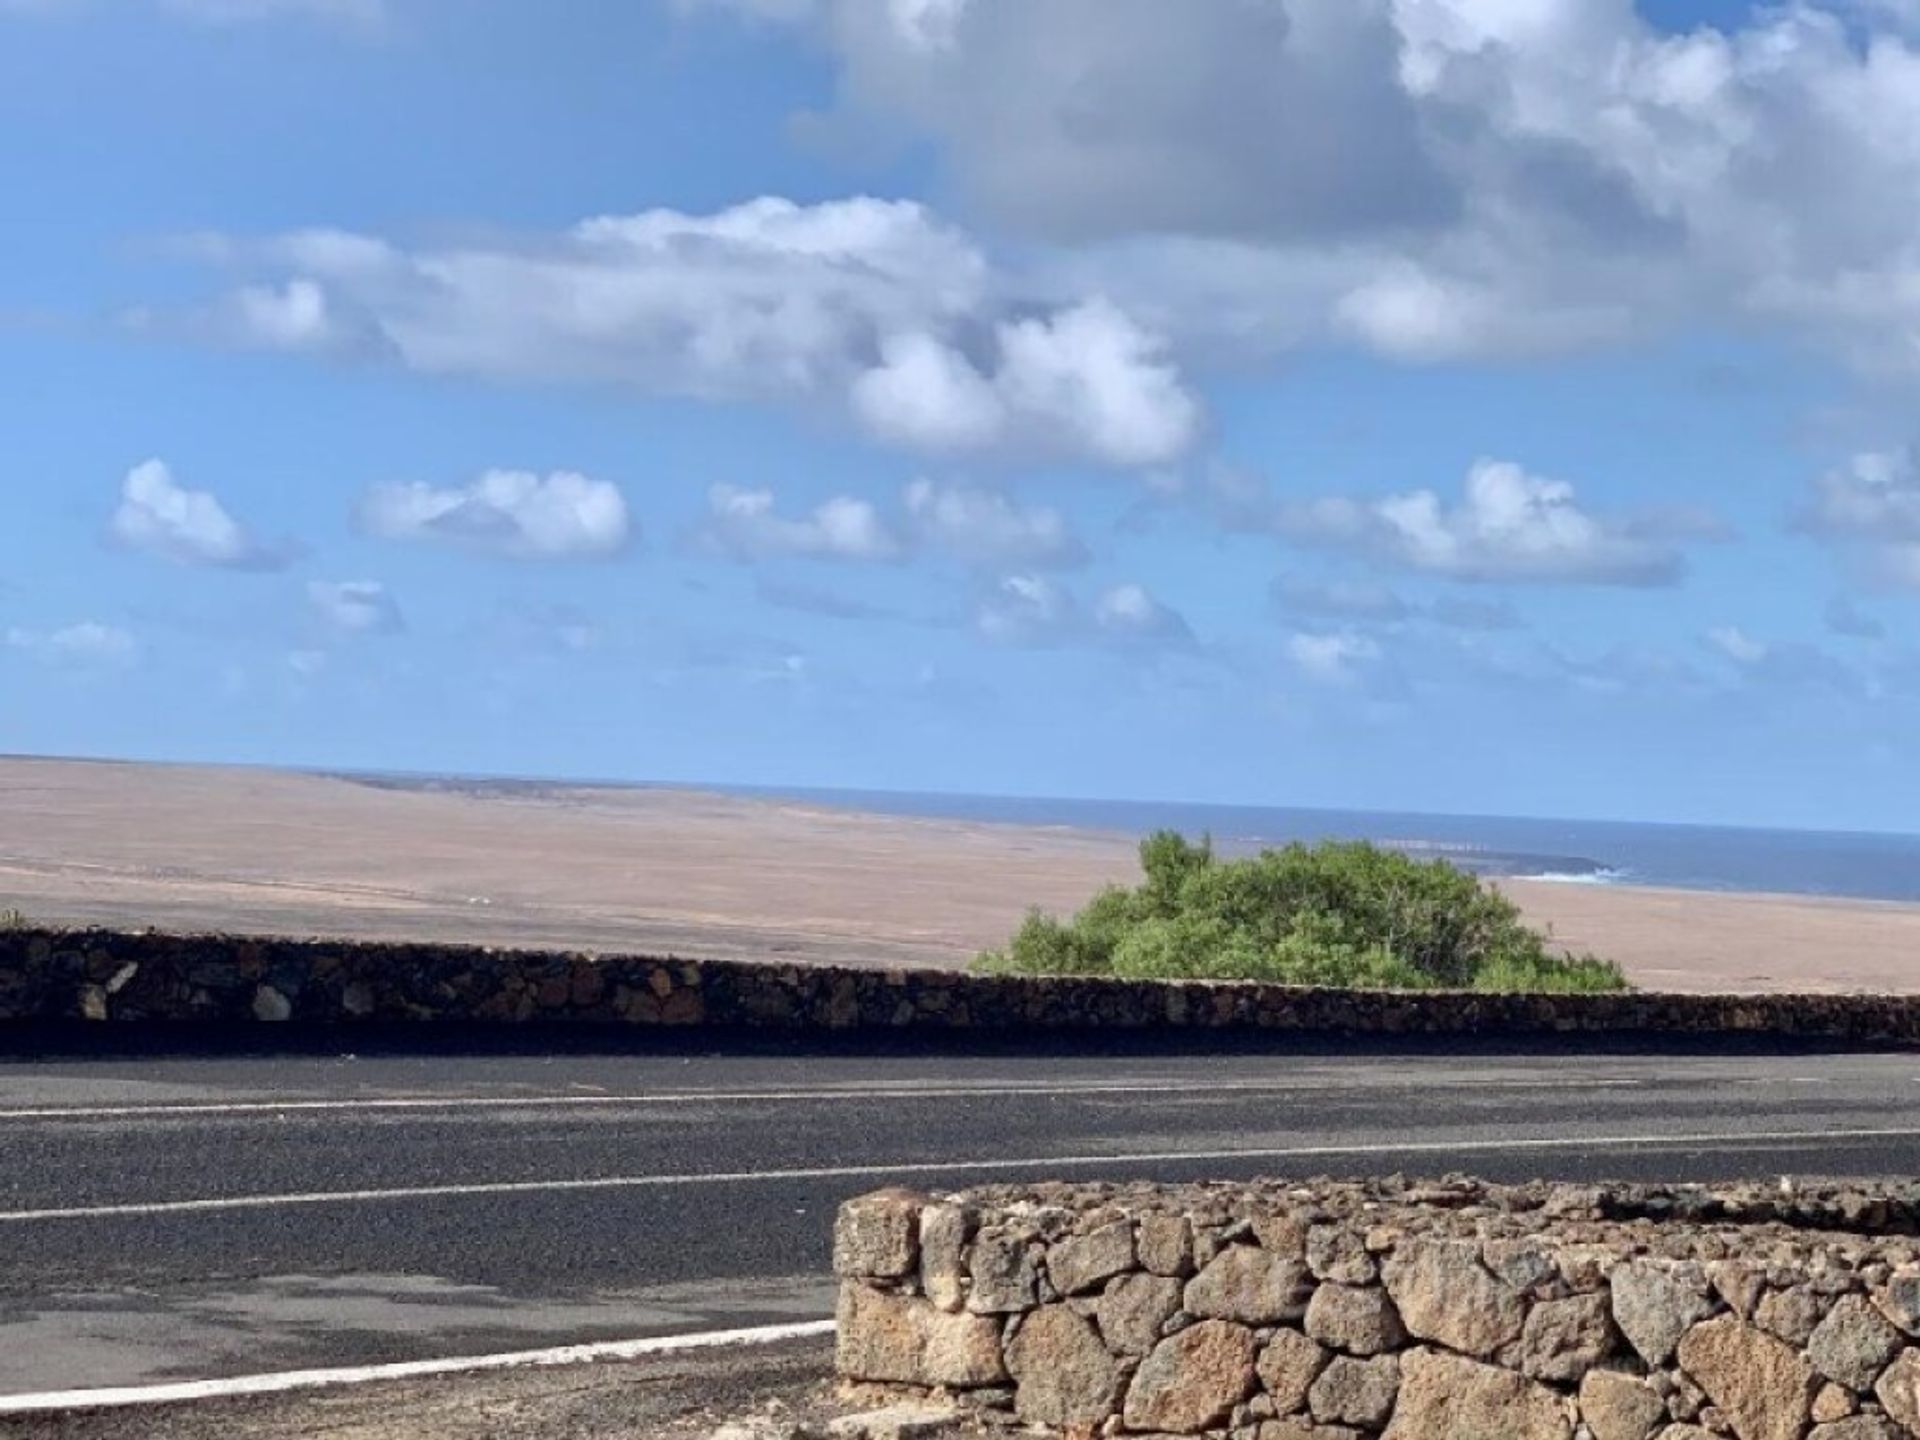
x=685, y=1397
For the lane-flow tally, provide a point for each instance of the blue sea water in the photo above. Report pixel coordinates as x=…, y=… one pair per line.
x=1692, y=857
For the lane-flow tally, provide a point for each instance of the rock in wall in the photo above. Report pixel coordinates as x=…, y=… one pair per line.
x=1450, y=1310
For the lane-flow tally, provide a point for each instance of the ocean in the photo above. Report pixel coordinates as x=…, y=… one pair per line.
x=1586, y=852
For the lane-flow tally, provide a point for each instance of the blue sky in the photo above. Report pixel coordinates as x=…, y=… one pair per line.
x=1474, y=405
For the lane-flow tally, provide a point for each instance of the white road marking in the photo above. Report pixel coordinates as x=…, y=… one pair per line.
x=105, y=1399
x=739, y=1097
x=1716, y=1139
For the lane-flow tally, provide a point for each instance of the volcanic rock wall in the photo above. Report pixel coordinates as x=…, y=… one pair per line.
x=1441, y=1311
x=153, y=978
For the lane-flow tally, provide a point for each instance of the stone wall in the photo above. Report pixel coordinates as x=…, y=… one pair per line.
x=1415, y=1311
x=146, y=977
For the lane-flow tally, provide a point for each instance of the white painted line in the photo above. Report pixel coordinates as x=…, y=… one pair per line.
x=403, y=1370
x=164, y=1109
x=1715, y=1140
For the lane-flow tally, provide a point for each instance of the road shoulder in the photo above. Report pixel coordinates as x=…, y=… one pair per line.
x=678, y=1397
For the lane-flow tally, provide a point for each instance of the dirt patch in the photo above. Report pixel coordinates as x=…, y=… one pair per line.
x=673, y=871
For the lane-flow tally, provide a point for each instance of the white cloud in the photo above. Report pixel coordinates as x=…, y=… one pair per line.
x=1336, y=658
x=1409, y=312
x=1429, y=178
x=1130, y=614
x=1870, y=508
x=1874, y=497
x=973, y=524
x=293, y=316
x=1786, y=666
x=160, y=517
x=1038, y=611
x=1087, y=380
x=1028, y=610
x=1509, y=526
x=927, y=394
x=744, y=525
x=766, y=298
x=356, y=607
x=984, y=527
x=874, y=304
x=1738, y=646
x=87, y=643
x=559, y=516
x=1101, y=382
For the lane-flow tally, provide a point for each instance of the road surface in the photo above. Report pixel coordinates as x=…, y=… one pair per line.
x=168, y=1216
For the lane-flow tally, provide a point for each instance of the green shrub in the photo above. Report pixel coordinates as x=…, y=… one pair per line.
x=1337, y=913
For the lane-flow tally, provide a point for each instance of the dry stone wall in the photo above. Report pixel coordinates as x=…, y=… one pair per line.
x=151, y=978
x=1450, y=1310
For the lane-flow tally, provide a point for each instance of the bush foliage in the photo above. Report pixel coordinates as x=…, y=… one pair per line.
x=1337, y=913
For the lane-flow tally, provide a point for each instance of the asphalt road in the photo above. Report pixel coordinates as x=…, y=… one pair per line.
x=167, y=1216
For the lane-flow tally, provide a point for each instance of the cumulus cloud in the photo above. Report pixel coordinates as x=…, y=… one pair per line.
x=1738, y=646
x=356, y=607
x=744, y=525
x=874, y=304
x=976, y=525
x=293, y=316
x=1027, y=610
x=1085, y=380
x=1786, y=666
x=1091, y=117
x=87, y=643
x=1036, y=610
x=1874, y=497
x=765, y=298
x=924, y=392
x=517, y=513
x=159, y=516
x=1869, y=510
x=1432, y=179
x=1509, y=525
x=1130, y=614
x=985, y=527
x=1334, y=658
x=1100, y=381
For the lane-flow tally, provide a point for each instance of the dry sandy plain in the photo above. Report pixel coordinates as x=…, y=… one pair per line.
x=701, y=874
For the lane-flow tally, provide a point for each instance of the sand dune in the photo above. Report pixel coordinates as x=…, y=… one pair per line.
x=695, y=873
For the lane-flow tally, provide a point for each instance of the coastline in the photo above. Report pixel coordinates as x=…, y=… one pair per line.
x=662, y=870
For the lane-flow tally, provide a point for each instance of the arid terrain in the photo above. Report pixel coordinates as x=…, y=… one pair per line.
x=696, y=873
